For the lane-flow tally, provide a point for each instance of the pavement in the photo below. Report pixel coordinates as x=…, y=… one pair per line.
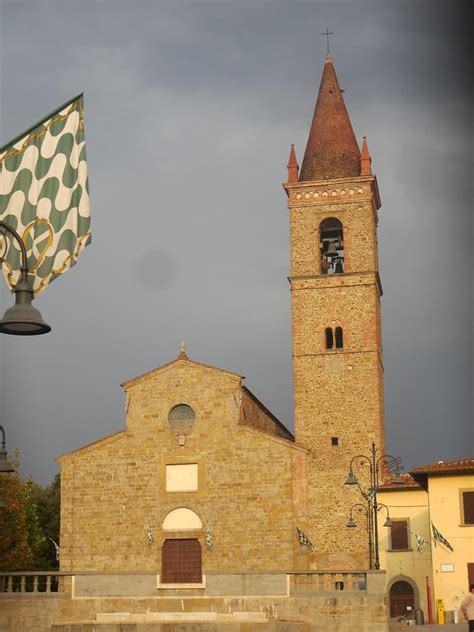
x=448, y=627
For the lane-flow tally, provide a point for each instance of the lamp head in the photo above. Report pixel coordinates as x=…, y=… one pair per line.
x=388, y=522
x=5, y=465
x=23, y=319
x=351, y=479
x=351, y=523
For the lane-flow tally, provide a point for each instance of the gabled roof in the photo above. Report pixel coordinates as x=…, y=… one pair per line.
x=181, y=359
x=280, y=429
x=94, y=444
x=442, y=468
x=332, y=150
x=409, y=483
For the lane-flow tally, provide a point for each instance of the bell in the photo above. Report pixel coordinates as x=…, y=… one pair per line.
x=332, y=250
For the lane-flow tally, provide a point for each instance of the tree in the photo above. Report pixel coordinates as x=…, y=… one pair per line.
x=43, y=523
x=15, y=551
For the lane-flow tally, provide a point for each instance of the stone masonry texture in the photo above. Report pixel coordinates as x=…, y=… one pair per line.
x=113, y=491
x=338, y=394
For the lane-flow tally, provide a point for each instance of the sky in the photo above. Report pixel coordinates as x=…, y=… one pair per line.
x=190, y=110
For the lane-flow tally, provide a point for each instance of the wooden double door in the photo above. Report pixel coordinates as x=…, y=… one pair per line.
x=181, y=561
x=401, y=596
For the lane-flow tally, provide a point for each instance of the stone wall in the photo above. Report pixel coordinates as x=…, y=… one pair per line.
x=338, y=392
x=331, y=612
x=114, y=491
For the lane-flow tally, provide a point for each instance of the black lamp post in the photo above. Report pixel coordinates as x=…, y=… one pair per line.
x=376, y=465
x=5, y=466
x=22, y=319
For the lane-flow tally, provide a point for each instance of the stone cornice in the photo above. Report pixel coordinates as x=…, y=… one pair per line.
x=341, y=190
x=331, y=281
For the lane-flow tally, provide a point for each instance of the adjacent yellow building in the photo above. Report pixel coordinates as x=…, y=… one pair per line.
x=428, y=553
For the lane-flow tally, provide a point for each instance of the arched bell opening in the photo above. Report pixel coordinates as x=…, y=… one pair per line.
x=331, y=245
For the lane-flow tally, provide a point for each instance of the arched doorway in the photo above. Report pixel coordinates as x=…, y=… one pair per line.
x=401, y=596
x=181, y=561
x=181, y=557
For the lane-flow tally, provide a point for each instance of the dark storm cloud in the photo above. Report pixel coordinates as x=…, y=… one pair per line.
x=190, y=111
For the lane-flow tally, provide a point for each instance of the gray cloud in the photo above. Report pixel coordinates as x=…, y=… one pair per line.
x=190, y=111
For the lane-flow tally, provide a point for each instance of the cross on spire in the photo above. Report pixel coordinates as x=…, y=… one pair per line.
x=327, y=33
x=182, y=348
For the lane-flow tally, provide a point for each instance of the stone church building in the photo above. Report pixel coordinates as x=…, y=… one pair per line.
x=203, y=478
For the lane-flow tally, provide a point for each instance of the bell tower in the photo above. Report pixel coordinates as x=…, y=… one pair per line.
x=336, y=331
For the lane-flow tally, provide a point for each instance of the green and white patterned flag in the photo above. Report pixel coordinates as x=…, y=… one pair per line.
x=44, y=196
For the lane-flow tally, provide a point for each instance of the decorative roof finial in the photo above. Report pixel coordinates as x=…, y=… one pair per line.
x=327, y=34
x=365, y=159
x=292, y=166
x=182, y=350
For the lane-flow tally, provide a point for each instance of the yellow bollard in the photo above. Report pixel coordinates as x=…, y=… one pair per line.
x=440, y=610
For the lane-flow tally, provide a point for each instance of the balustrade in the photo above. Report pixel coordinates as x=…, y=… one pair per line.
x=31, y=582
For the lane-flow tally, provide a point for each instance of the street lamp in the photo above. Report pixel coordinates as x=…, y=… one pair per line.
x=5, y=466
x=22, y=319
x=376, y=464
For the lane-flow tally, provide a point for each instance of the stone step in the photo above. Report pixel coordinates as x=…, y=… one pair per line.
x=186, y=617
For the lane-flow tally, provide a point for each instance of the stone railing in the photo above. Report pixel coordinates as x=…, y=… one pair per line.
x=33, y=582
x=146, y=584
x=327, y=581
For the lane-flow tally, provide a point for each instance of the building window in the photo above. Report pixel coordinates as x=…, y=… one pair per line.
x=468, y=507
x=181, y=419
x=334, y=440
x=399, y=535
x=329, y=338
x=331, y=246
x=334, y=338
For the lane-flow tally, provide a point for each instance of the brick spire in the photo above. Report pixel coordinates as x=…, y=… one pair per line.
x=292, y=166
x=365, y=160
x=332, y=150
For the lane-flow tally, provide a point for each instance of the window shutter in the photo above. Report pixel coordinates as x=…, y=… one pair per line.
x=468, y=504
x=399, y=535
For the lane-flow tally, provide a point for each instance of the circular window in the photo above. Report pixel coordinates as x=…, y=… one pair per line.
x=181, y=419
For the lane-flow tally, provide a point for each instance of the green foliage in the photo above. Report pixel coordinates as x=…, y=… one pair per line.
x=15, y=552
x=28, y=524
x=44, y=525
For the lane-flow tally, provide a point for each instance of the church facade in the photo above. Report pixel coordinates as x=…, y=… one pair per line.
x=203, y=477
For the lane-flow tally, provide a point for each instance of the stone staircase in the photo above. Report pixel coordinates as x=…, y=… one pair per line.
x=174, y=622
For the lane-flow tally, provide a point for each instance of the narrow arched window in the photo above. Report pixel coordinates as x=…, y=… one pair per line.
x=331, y=246
x=339, y=338
x=329, y=338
